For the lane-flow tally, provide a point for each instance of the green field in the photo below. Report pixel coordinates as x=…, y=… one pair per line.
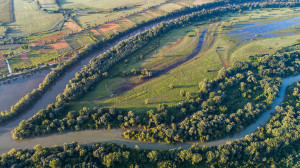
x=49, y=5
x=16, y=63
x=2, y=30
x=175, y=46
x=6, y=11
x=99, y=5
x=29, y=19
x=103, y=15
x=79, y=41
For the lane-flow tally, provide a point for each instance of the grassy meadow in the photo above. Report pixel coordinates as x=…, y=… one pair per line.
x=220, y=50
x=30, y=19
x=6, y=11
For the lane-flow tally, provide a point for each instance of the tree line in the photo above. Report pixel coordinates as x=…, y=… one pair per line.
x=274, y=145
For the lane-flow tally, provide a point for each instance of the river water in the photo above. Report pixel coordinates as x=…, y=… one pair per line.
x=115, y=135
x=12, y=92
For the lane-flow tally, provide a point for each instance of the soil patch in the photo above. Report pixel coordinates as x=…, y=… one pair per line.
x=1, y=56
x=60, y=44
x=25, y=60
x=47, y=39
x=227, y=63
x=2, y=63
x=95, y=32
x=73, y=26
x=108, y=26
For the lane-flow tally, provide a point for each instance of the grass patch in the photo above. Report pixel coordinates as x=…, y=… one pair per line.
x=30, y=19
x=79, y=41
x=49, y=5
x=16, y=63
x=6, y=11
x=104, y=9
x=263, y=46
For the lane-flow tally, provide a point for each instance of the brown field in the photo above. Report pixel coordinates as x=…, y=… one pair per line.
x=1, y=56
x=2, y=63
x=73, y=26
x=25, y=60
x=47, y=39
x=95, y=32
x=108, y=26
x=60, y=44
x=126, y=20
x=227, y=63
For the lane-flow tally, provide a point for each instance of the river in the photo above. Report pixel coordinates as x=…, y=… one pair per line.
x=115, y=135
x=12, y=92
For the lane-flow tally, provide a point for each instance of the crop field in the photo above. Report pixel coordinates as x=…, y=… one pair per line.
x=70, y=24
x=30, y=19
x=79, y=41
x=220, y=50
x=49, y=5
x=102, y=5
x=143, y=16
x=3, y=68
x=169, y=7
x=6, y=11
x=2, y=30
x=104, y=15
x=1, y=56
x=25, y=60
x=48, y=39
x=16, y=63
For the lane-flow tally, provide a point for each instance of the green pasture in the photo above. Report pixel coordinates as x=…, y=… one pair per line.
x=30, y=19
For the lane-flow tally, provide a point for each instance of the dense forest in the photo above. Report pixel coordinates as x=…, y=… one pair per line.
x=275, y=145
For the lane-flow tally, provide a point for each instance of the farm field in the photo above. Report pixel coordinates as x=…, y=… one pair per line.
x=105, y=12
x=79, y=41
x=221, y=50
x=3, y=68
x=33, y=20
x=30, y=19
x=6, y=11
x=49, y=5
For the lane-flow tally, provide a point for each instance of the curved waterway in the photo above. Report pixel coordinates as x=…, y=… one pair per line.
x=115, y=135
